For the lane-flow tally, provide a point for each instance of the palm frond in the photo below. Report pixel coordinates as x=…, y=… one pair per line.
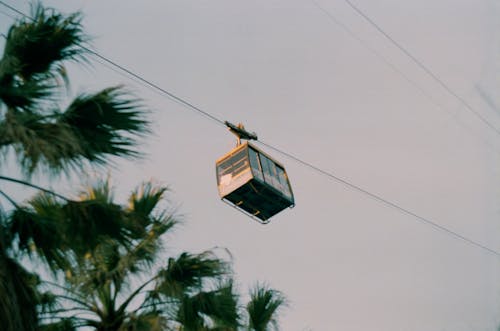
x=34, y=51
x=145, y=199
x=26, y=95
x=219, y=305
x=18, y=296
x=37, y=141
x=263, y=308
x=208, y=310
x=107, y=264
x=150, y=321
x=47, y=302
x=99, y=190
x=97, y=269
x=93, y=128
x=92, y=221
x=40, y=230
x=65, y=324
x=56, y=230
x=39, y=43
x=142, y=210
x=189, y=272
x=105, y=123
x=188, y=316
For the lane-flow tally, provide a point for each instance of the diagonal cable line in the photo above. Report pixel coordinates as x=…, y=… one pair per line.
x=387, y=62
x=156, y=87
x=422, y=66
x=317, y=169
x=353, y=35
x=134, y=75
x=382, y=200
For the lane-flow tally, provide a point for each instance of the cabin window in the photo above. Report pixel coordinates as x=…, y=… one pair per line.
x=255, y=164
x=270, y=173
x=265, y=168
x=232, y=166
x=285, y=188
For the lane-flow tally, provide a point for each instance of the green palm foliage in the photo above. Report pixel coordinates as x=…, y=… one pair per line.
x=105, y=270
x=94, y=127
x=263, y=308
x=113, y=281
x=109, y=273
x=32, y=74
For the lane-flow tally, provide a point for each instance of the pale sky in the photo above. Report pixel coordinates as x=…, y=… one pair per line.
x=289, y=72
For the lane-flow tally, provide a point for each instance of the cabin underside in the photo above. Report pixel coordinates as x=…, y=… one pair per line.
x=258, y=199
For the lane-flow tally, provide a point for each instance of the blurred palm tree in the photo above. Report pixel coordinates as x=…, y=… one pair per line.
x=113, y=278
x=263, y=308
x=92, y=128
x=102, y=257
x=33, y=78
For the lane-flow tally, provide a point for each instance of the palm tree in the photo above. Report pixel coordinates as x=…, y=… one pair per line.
x=102, y=256
x=263, y=308
x=91, y=129
x=113, y=282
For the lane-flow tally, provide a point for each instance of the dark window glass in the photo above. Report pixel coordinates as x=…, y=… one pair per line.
x=265, y=168
x=270, y=174
x=285, y=188
x=255, y=164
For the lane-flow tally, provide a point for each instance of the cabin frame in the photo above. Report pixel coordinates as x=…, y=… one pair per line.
x=253, y=182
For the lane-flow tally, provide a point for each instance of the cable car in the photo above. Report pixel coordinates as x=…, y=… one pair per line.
x=252, y=181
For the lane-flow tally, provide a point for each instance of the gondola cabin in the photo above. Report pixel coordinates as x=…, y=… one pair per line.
x=253, y=182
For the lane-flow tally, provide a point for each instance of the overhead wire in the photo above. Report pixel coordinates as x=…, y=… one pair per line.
x=382, y=200
x=387, y=62
x=3, y=35
x=172, y=96
x=309, y=165
x=8, y=15
x=353, y=35
x=422, y=66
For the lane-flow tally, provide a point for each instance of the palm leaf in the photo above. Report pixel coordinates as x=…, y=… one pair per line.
x=93, y=128
x=37, y=141
x=18, y=296
x=104, y=123
x=92, y=221
x=220, y=305
x=25, y=96
x=263, y=307
x=33, y=55
x=65, y=324
x=144, y=200
x=150, y=321
x=188, y=272
x=207, y=310
x=39, y=229
x=40, y=43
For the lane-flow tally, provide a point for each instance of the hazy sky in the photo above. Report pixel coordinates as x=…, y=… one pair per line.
x=290, y=71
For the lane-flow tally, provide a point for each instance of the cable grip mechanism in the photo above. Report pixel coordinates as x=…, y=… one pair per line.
x=240, y=132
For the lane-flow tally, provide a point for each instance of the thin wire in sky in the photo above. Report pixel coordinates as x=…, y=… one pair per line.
x=7, y=14
x=319, y=170
x=367, y=46
x=422, y=66
x=382, y=200
x=134, y=75
x=353, y=35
